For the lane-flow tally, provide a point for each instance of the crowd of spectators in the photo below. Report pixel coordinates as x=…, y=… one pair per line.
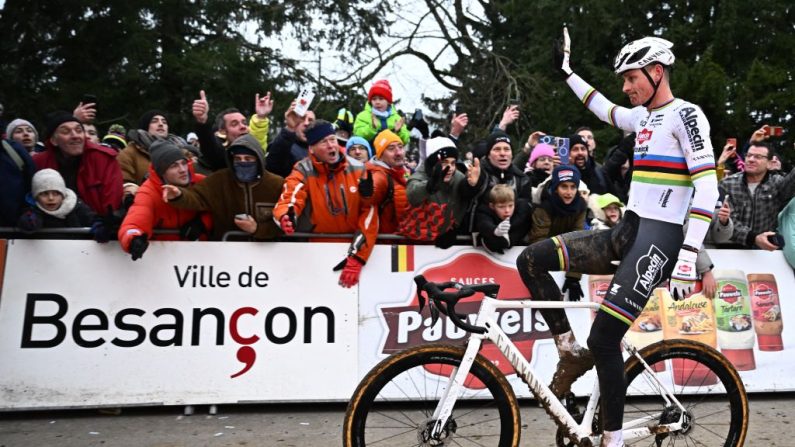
x=353, y=176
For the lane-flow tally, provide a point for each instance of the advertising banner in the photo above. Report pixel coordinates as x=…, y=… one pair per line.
x=744, y=320
x=83, y=325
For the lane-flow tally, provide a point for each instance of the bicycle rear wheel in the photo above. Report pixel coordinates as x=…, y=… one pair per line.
x=394, y=404
x=702, y=379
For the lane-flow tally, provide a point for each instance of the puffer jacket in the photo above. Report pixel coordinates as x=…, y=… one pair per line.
x=224, y=196
x=389, y=194
x=363, y=125
x=325, y=199
x=150, y=212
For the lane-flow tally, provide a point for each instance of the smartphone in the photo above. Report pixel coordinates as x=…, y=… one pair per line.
x=89, y=99
x=563, y=150
x=775, y=131
x=303, y=101
x=732, y=142
x=776, y=239
x=241, y=216
x=514, y=102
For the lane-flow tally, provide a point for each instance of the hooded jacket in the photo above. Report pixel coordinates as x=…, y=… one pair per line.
x=363, y=125
x=389, y=194
x=325, y=199
x=14, y=182
x=149, y=212
x=99, y=179
x=224, y=196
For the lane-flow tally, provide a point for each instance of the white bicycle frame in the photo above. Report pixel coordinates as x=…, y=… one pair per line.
x=487, y=317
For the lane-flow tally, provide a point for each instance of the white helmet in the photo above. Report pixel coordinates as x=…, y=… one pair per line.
x=642, y=52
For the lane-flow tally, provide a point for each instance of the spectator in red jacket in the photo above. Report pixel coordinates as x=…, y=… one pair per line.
x=170, y=166
x=87, y=168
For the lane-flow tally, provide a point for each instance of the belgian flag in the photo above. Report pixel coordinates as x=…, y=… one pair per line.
x=402, y=258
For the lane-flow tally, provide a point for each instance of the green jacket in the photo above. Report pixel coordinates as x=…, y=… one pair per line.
x=363, y=125
x=259, y=128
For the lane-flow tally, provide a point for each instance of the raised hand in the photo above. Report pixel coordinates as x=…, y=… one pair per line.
x=201, y=108
x=263, y=105
x=85, y=113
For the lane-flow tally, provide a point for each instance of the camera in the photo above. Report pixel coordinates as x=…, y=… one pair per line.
x=776, y=239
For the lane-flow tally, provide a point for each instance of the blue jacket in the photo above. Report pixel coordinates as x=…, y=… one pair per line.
x=14, y=183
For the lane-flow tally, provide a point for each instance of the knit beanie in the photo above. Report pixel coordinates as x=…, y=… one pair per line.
x=541, y=150
x=20, y=122
x=318, y=130
x=383, y=140
x=116, y=137
x=438, y=149
x=146, y=118
x=381, y=88
x=55, y=119
x=577, y=139
x=564, y=173
x=47, y=180
x=352, y=141
x=163, y=154
x=497, y=137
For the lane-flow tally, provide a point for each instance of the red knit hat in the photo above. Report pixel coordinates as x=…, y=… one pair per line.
x=381, y=88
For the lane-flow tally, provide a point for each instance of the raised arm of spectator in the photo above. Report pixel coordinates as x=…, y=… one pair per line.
x=213, y=153
x=509, y=116
x=259, y=124
x=278, y=159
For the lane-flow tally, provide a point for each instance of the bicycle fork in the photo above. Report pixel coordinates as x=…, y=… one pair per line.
x=450, y=396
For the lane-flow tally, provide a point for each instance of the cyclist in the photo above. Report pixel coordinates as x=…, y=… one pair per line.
x=672, y=158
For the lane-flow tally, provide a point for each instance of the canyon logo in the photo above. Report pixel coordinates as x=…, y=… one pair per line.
x=405, y=326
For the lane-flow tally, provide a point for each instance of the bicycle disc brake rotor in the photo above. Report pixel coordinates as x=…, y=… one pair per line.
x=424, y=433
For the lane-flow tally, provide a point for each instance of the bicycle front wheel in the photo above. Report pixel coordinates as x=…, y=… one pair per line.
x=702, y=379
x=394, y=404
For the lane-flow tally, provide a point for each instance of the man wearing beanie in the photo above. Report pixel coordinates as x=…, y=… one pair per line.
x=23, y=132
x=169, y=166
x=592, y=174
x=379, y=114
x=134, y=159
x=87, y=168
x=497, y=168
x=439, y=185
x=239, y=197
x=322, y=195
x=390, y=176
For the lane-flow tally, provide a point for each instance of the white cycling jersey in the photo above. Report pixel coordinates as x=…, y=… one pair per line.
x=673, y=157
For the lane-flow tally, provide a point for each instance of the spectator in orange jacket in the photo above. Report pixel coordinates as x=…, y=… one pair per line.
x=389, y=174
x=170, y=166
x=322, y=195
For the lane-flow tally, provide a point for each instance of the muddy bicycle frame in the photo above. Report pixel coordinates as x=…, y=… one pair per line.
x=487, y=318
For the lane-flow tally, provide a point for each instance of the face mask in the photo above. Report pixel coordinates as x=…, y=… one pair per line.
x=245, y=171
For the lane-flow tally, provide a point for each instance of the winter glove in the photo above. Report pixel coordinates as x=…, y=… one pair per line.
x=30, y=221
x=287, y=222
x=138, y=246
x=366, y=187
x=446, y=240
x=100, y=231
x=192, y=230
x=684, y=277
x=437, y=175
x=561, y=53
x=128, y=200
x=503, y=228
x=574, y=289
x=111, y=221
x=351, y=269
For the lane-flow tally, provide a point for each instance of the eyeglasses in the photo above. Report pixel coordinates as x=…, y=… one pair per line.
x=757, y=156
x=544, y=158
x=587, y=137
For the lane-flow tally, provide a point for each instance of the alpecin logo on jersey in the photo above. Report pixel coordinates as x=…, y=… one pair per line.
x=649, y=270
x=643, y=136
x=689, y=117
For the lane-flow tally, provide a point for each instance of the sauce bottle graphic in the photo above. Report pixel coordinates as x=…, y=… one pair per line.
x=691, y=319
x=733, y=319
x=766, y=310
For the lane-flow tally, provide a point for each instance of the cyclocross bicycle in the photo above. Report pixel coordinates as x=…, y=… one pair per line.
x=680, y=392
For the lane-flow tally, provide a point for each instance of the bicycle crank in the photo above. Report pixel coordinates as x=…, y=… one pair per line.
x=426, y=439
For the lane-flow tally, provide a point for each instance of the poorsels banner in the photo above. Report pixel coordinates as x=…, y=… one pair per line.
x=745, y=319
x=83, y=325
